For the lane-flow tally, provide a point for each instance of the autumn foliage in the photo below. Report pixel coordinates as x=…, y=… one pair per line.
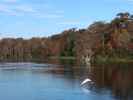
x=114, y=38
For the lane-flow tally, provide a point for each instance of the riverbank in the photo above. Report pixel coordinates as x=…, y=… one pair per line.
x=62, y=57
x=106, y=60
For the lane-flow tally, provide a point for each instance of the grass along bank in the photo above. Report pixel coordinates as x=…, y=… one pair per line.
x=63, y=57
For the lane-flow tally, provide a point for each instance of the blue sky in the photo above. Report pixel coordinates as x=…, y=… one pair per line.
x=37, y=18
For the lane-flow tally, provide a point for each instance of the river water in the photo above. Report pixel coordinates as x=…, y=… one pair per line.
x=38, y=81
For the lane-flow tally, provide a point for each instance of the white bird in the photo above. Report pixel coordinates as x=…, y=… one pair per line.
x=86, y=81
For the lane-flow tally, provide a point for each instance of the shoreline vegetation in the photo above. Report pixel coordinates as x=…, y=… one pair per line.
x=63, y=57
x=98, y=60
x=102, y=42
x=106, y=60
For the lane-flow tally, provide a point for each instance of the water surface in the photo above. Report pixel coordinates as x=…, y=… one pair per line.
x=33, y=81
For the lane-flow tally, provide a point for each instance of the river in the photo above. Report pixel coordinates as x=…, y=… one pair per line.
x=43, y=81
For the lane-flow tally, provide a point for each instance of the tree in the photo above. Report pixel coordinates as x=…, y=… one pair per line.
x=125, y=15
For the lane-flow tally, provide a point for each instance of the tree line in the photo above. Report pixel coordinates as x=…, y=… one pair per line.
x=20, y=49
x=114, y=38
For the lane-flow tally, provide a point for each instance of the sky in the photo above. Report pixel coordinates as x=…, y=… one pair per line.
x=39, y=18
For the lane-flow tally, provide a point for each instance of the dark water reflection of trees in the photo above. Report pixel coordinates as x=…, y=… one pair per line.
x=116, y=78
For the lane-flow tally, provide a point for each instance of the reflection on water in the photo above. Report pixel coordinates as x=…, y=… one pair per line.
x=31, y=81
x=116, y=78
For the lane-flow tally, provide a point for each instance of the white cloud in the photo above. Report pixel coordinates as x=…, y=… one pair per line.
x=21, y=10
x=30, y=10
x=5, y=10
x=10, y=1
x=16, y=9
x=69, y=23
x=129, y=0
x=49, y=15
x=59, y=12
x=24, y=8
